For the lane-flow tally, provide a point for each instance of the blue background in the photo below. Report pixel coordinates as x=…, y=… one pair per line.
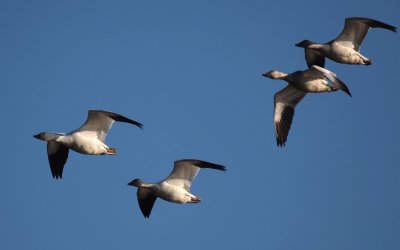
x=190, y=71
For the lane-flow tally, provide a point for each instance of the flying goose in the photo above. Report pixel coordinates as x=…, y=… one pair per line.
x=88, y=139
x=175, y=188
x=312, y=80
x=346, y=47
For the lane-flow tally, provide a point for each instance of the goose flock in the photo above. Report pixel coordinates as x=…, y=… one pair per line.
x=344, y=49
x=90, y=137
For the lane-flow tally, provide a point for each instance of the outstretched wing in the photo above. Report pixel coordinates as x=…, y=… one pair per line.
x=356, y=28
x=146, y=200
x=185, y=171
x=99, y=122
x=58, y=155
x=285, y=102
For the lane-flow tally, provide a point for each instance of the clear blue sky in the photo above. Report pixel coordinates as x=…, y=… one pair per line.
x=190, y=71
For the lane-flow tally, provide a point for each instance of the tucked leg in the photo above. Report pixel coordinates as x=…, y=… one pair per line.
x=111, y=151
x=195, y=200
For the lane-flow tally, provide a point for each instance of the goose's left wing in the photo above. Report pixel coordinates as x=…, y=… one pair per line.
x=356, y=28
x=99, y=122
x=185, y=171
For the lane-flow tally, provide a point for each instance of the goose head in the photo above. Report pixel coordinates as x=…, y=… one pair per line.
x=48, y=136
x=136, y=183
x=304, y=44
x=274, y=74
x=40, y=136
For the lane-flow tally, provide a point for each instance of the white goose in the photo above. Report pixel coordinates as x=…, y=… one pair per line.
x=314, y=80
x=88, y=139
x=346, y=47
x=175, y=188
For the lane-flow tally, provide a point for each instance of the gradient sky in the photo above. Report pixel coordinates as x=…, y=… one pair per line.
x=190, y=71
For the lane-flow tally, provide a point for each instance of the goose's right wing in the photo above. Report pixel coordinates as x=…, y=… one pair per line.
x=58, y=155
x=285, y=102
x=313, y=57
x=146, y=200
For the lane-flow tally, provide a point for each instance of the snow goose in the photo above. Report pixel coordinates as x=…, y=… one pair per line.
x=312, y=80
x=175, y=188
x=346, y=47
x=88, y=139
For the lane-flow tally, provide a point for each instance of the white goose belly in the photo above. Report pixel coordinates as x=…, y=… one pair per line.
x=86, y=145
x=343, y=54
x=317, y=86
x=314, y=86
x=173, y=193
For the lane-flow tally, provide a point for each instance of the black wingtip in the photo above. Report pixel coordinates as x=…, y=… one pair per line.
x=127, y=120
x=121, y=118
x=56, y=176
x=345, y=89
x=280, y=143
x=137, y=124
x=216, y=166
x=387, y=26
x=222, y=168
x=342, y=86
x=206, y=164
